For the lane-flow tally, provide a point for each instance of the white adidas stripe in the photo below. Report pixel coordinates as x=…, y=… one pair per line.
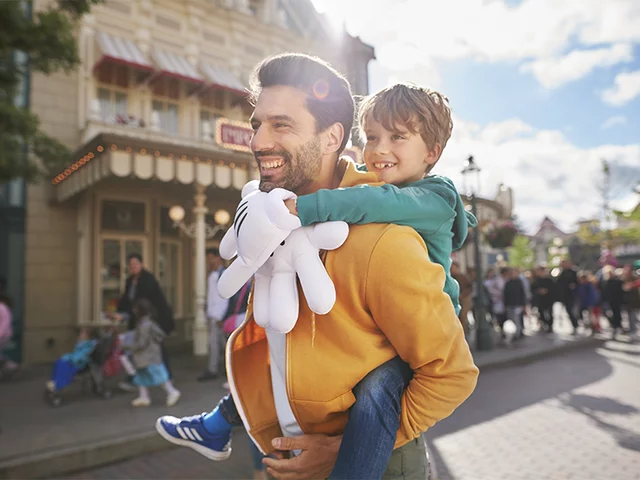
x=181, y=433
x=189, y=434
x=196, y=434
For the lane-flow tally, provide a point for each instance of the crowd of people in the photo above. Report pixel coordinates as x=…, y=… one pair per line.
x=588, y=298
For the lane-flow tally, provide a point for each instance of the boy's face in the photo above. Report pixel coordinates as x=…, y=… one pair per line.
x=397, y=157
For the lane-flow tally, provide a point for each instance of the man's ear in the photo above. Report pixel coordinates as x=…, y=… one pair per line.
x=332, y=138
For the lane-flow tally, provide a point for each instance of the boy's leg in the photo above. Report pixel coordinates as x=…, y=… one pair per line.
x=374, y=419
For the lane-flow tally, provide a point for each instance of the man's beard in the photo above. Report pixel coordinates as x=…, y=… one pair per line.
x=299, y=169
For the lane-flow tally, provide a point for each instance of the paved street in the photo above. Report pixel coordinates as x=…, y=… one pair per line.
x=570, y=417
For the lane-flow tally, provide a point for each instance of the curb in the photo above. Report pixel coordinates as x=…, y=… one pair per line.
x=82, y=457
x=59, y=462
x=525, y=357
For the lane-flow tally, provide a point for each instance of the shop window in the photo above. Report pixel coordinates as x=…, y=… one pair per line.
x=113, y=269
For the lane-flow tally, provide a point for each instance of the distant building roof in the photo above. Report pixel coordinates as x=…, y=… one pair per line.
x=547, y=227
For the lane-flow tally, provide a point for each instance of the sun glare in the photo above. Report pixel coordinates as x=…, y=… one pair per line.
x=332, y=11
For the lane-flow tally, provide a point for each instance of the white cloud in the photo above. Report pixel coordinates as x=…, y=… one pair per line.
x=556, y=71
x=614, y=121
x=549, y=175
x=492, y=31
x=626, y=87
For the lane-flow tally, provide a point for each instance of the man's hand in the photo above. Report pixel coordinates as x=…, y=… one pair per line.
x=317, y=459
x=292, y=205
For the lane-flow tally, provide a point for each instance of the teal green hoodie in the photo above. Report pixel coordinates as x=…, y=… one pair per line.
x=431, y=206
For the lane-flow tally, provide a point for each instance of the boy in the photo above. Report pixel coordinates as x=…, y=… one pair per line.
x=406, y=129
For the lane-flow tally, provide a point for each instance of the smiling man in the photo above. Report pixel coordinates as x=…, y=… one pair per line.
x=390, y=298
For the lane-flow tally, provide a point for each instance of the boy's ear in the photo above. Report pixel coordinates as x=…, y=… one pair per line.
x=332, y=138
x=433, y=155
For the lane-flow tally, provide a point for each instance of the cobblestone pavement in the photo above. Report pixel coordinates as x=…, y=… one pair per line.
x=571, y=417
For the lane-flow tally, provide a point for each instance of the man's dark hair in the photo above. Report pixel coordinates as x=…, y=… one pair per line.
x=213, y=251
x=137, y=256
x=328, y=92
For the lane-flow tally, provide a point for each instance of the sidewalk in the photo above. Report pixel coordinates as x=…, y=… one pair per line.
x=39, y=441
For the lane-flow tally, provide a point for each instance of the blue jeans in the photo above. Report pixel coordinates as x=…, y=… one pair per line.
x=370, y=434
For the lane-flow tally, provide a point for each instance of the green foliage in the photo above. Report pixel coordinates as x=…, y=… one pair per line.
x=47, y=39
x=520, y=253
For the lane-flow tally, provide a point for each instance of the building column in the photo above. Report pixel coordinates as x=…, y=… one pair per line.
x=200, y=330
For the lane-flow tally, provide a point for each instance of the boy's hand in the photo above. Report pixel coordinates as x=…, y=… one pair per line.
x=291, y=204
x=317, y=459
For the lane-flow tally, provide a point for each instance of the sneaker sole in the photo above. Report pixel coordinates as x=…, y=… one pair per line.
x=204, y=451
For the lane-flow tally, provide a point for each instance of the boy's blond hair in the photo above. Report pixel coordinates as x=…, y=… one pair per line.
x=419, y=110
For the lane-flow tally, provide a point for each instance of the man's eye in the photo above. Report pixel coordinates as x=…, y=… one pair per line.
x=370, y=138
x=280, y=125
x=397, y=137
x=255, y=127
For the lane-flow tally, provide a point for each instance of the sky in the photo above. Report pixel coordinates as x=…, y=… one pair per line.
x=541, y=91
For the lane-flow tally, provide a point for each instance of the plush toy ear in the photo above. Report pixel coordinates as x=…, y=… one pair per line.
x=250, y=187
x=328, y=235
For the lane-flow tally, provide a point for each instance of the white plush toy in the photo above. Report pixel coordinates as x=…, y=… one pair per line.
x=276, y=302
x=261, y=223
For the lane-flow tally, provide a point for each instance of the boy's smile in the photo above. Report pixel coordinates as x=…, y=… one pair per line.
x=398, y=157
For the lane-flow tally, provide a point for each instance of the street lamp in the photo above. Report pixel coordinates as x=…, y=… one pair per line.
x=484, y=337
x=200, y=231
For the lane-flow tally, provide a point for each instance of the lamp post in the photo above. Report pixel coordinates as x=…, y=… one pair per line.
x=200, y=231
x=484, y=338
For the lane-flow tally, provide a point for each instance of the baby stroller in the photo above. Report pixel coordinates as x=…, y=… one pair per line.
x=103, y=362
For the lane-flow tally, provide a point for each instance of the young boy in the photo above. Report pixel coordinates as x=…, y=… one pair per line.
x=406, y=129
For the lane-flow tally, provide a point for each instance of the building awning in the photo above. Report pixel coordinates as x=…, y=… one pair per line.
x=221, y=77
x=105, y=157
x=120, y=50
x=175, y=65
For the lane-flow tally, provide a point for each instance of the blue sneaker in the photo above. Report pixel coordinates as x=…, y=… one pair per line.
x=190, y=432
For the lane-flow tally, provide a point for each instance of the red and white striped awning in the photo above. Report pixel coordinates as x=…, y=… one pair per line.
x=121, y=50
x=175, y=65
x=221, y=77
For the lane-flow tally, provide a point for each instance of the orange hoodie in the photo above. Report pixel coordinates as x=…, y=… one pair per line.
x=390, y=301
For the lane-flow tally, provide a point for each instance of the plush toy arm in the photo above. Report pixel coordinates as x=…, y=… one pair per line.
x=228, y=247
x=234, y=277
x=317, y=286
x=328, y=235
x=261, y=302
x=284, y=302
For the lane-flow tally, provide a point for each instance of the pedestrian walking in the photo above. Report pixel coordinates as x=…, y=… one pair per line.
x=543, y=297
x=631, y=298
x=613, y=294
x=515, y=299
x=567, y=284
x=146, y=352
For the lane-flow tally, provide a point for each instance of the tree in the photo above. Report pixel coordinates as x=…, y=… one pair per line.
x=46, y=39
x=520, y=253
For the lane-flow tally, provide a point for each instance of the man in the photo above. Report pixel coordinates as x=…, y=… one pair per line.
x=142, y=284
x=567, y=283
x=389, y=294
x=216, y=309
x=543, y=297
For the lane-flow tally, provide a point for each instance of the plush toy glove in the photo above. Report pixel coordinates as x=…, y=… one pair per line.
x=261, y=223
x=276, y=302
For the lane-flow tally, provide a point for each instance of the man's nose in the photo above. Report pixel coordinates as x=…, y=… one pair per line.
x=262, y=140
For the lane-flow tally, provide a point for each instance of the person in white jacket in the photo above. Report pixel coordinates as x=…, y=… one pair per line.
x=216, y=309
